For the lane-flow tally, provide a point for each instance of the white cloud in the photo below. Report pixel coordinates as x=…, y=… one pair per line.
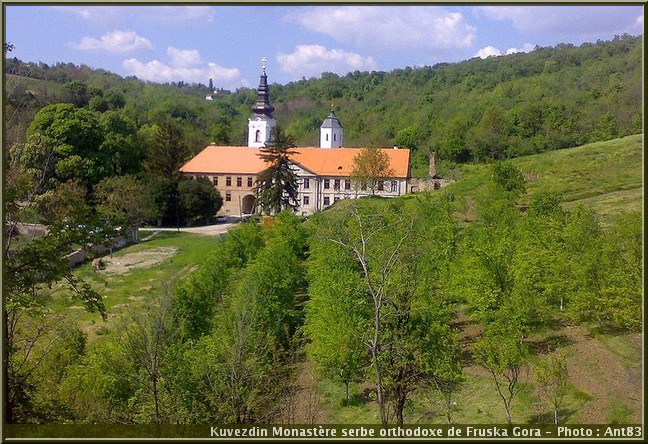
x=115, y=41
x=312, y=60
x=186, y=66
x=488, y=51
x=585, y=21
x=491, y=51
x=390, y=28
x=527, y=47
x=184, y=58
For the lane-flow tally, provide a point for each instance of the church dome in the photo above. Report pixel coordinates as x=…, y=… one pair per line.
x=331, y=121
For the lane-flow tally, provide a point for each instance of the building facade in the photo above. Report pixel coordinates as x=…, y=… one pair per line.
x=324, y=173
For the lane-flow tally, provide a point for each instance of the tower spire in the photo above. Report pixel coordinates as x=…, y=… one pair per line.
x=262, y=105
x=262, y=122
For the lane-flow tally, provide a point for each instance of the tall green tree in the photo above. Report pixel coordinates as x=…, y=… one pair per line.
x=121, y=142
x=503, y=354
x=336, y=317
x=553, y=380
x=276, y=186
x=75, y=136
x=400, y=264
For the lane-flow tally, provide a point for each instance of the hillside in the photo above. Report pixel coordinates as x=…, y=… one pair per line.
x=606, y=176
x=476, y=110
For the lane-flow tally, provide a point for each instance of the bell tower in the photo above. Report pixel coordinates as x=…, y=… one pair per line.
x=262, y=122
x=331, y=132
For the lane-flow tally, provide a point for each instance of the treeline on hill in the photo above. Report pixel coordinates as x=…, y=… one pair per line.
x=501, y=107
x=366, y=291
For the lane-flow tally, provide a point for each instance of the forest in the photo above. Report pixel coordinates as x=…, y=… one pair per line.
x=369, y=293
x=373, y=297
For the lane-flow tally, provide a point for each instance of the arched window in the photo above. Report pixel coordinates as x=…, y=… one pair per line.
x=257, y=136
x=327, y=137
x=334, y=137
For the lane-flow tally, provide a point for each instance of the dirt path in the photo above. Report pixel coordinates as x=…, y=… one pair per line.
x=593, y=368
x=130, y=261
x=207, y=230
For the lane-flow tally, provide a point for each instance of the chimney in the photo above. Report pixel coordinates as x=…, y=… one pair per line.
x=433, y=171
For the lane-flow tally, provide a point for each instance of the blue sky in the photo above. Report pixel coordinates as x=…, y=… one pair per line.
x=226, y=43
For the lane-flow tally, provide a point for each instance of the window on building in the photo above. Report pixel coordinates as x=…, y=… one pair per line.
x=327, y=137
x=215, y=180
x=249, y=182
x=334, y=137
x=347, y=184
x=336, y=198
x=327, y=200
x=336, y=184
x=228, y=197
x=327, y=184
x=381, y=185
x=257, y=136
x=306, y=184
x=239, y=181
x=228, y=181
x=306, y=200
x=394, y=186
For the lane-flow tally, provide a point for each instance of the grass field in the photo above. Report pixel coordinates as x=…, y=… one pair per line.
x=134, y=275
x=605, y=175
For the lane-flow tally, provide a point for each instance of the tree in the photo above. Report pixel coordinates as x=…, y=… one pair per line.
x=251, y=341
x=608, y=269
x=276, y=186
x=509, y=178
x=121, y=142
x=199, y=198
x=76, y=92
x=370, y=167
x=448, y=375
x=31, y=266
x=197, y=297
x=146, y=344
x=400, y=264
x=123, y=200
x=335, y=318
x=75, y=137
x=166, y=150
x=553, y=379
x=503, y=354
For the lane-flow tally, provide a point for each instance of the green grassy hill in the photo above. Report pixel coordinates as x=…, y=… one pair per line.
x=608, y=176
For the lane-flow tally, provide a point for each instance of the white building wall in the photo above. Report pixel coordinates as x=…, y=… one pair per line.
x=331, y=137
x=264, y=128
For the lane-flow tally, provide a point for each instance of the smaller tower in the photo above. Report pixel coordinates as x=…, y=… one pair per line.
x=260, y=125
x=331, y=132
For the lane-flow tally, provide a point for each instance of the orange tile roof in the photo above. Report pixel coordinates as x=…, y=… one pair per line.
x=339, y=161
x=225, y=159
x=321, y=161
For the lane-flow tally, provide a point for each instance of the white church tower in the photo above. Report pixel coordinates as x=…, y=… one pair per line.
x=331, y=132
x=260, y=125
